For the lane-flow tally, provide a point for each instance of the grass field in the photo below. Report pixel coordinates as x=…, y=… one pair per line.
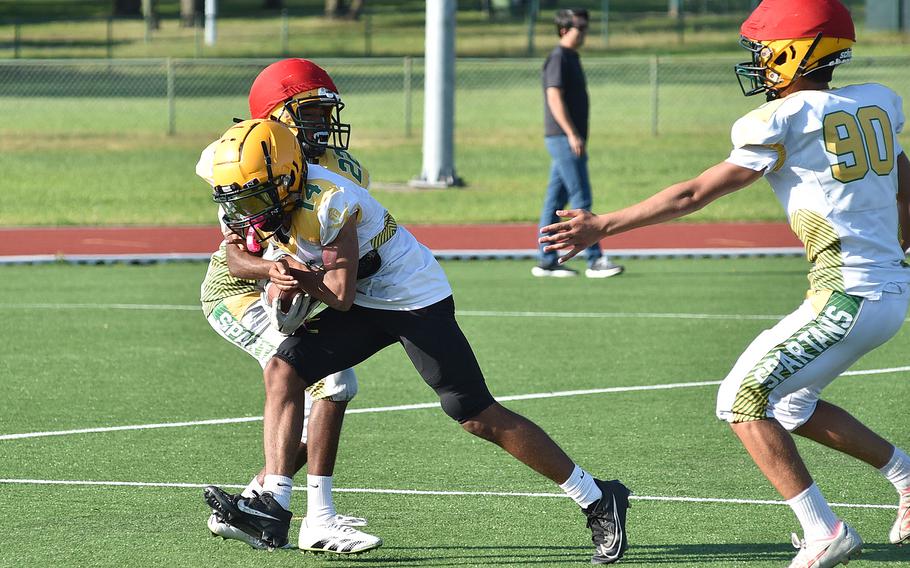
x=100, y=154
x=95, y=347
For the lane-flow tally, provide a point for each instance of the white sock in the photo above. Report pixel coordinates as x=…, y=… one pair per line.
x=280, y=488
x=815, y=516
x=581, y=487
x=253, y=488
x=320, y=509
x=897, y=471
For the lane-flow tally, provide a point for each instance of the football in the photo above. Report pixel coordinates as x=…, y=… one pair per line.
x=283, y=296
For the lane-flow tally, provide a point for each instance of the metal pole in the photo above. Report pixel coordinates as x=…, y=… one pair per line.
x=605, y=8
x=171, y=98
x=284, y=33
x=408, y=73
x=533, y=10
x=147, y=18
x=655, y=82
x=439, y=98
x=211, y=10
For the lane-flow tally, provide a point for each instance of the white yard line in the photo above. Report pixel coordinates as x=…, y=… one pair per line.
x=374, y=491
x=465, y=313
x=530, y=396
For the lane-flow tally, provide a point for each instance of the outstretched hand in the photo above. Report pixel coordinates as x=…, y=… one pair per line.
x=574, y=235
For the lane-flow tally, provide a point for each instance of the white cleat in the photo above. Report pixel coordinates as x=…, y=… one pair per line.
x=227, y=531
x=841, y=548
x=347, y=521
x=335, y=538
x=900, y=532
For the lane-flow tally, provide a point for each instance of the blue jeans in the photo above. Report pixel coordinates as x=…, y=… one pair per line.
x=569, y=184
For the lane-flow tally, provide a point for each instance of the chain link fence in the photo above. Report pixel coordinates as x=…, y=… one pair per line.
x=500, y=97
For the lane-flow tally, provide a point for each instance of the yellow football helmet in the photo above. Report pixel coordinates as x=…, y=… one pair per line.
x=259, y=171
x=792, y=38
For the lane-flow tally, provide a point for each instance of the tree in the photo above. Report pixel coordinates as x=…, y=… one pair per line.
x=273, y=4
x=336, y=9
x=355, y=9
x=188, y=11
x=332, y=8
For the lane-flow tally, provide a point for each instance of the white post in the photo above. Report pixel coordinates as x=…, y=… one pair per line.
x=439, y=97
x=211, y=10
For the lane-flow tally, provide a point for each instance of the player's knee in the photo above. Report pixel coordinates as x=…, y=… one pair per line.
x=794, y=415
x=488, y=422
x=280, y=377
x=465, y=408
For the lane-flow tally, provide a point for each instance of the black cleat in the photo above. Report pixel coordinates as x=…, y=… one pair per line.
x=261, y=517
x=607, y=521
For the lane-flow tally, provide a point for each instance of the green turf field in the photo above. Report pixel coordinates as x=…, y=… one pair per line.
x=89, y=347
x=98, y=153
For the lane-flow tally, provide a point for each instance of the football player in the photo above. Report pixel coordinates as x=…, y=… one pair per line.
x=832, y=157
x=301, y=94
x=337, y=243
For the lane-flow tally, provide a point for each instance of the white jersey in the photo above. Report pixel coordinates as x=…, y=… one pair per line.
x=408, y=278
x=830, y=159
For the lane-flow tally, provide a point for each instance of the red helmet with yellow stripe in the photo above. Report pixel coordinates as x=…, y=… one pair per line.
x=790, y=39
x=302, y=95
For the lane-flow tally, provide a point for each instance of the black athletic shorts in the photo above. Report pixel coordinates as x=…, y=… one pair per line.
x=336, y=340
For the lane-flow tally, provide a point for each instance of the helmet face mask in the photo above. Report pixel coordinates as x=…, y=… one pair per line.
x=259, y=172
x=316, y=116
x=754, y=73
x=262, y=207
x=303, y=96
x=776, y=64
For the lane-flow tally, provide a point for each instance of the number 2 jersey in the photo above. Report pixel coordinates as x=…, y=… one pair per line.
x=408, y=278
x=830, y=158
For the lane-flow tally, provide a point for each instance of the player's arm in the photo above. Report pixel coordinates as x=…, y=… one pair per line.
x=584, y=228
x=561, y=116
x=336, y=284
x=244, y=264
x=903, y=198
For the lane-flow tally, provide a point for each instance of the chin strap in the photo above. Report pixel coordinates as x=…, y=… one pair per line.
x=802, y=64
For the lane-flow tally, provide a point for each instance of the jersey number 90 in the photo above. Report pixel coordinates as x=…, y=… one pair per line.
x=865, y=139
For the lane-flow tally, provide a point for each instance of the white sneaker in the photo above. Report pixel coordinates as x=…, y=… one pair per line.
x=335, y=538
x=350, y=521
x=841, y=548
x=227, y=531
x=553, y=271
x=603, y=268
x=900, y=532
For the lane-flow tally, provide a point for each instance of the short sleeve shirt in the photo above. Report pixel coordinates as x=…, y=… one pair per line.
x=829, y=156
x=562, y=69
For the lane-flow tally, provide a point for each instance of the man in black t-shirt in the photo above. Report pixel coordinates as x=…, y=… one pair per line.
x=566, y=130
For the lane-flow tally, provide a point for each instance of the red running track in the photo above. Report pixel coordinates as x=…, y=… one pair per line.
x=68, y=241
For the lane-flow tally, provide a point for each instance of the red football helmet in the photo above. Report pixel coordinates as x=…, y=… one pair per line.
x=302, y=95
x=792, y=38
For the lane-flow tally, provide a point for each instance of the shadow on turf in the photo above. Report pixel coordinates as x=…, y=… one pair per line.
x=638, y=555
